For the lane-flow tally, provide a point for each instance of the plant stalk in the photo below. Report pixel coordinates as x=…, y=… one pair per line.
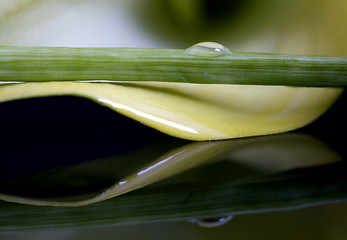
x=41, y=64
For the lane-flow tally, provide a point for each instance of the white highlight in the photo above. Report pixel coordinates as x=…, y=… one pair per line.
x=121, y=183
x=10, y=82
x=157, y=164
x=148, y=116
x=99, y=81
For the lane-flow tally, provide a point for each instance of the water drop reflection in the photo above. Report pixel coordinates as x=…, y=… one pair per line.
x=212, y=221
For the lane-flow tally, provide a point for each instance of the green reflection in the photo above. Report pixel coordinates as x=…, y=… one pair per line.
x=196, y=181
x=236, y=159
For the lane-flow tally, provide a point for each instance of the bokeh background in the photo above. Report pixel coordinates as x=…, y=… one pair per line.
x=315, y=27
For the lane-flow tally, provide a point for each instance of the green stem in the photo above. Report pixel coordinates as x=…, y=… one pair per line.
x=177, y=200
x=39, y=64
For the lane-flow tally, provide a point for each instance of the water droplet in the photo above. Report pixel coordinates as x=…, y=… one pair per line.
x=208, y=49
x=213, y=221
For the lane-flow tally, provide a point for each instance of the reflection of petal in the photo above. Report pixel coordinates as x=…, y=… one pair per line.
x=197, y=111
x=189, y=156
x=279, y=192
x=277, y=153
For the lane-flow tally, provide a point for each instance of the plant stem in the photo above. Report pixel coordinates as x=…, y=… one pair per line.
x=40, y=64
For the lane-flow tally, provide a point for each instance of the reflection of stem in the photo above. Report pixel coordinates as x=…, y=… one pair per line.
x=283, y=191
x=273, y=153
x=37, y=64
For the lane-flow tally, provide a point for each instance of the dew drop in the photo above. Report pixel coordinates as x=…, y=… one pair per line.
x=207, y=49
x=213, y=221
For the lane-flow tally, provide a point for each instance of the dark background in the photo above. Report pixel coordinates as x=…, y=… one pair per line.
x=44, y=133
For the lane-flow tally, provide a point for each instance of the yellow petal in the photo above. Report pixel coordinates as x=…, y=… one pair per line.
x=196, y=111
x=191, y=111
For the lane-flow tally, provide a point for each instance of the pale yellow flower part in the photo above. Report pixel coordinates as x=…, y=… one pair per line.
x=190, y=111
x=196, y=111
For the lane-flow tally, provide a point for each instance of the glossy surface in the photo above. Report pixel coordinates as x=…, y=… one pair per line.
x=265, y=154
x=207, y=49
x=219, y=187
x=189, y=111
x=287, y=26
x=197, y=112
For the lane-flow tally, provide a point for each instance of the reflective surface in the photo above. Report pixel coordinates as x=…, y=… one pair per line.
x=207, y=49
x=262, y=155
x=234, y=178
x=70, y=149
x=327, y=222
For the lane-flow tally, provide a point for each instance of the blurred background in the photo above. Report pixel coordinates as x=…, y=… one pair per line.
x=316, y=27
x=285, y=26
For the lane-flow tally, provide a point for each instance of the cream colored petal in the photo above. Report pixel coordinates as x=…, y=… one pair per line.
x=196, y=111
x=191, y=111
